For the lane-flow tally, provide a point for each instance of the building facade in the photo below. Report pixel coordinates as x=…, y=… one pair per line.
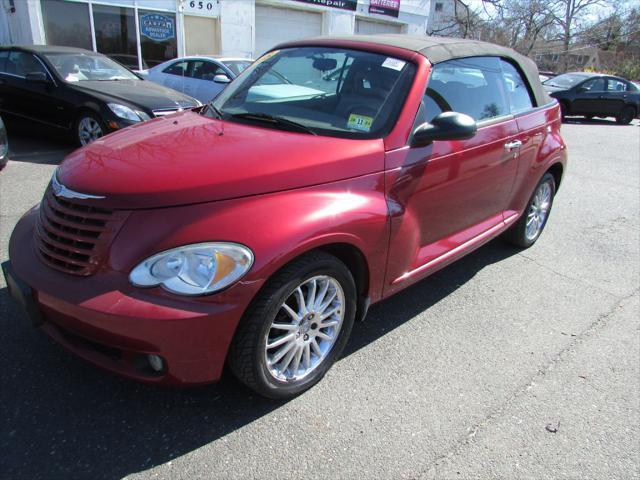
x=143, y=33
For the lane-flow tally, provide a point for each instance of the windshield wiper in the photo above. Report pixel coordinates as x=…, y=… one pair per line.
x=215, y=110
x=265, y=117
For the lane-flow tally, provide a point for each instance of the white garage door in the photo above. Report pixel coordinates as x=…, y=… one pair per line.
x=277, y=25
x=366, y=27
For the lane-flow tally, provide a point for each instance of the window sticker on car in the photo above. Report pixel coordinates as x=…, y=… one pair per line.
x=359, y=122
x=394, y=64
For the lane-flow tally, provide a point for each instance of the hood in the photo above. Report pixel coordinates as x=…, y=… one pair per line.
x=140, y=92
x=188, y=158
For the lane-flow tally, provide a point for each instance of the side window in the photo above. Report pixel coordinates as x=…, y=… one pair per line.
x=516, y=88
x=3, y=61
x=20, y=63
x=178, y=68
x=594, y=85
x=203, y=70
x=471, y=85
x=614, y=85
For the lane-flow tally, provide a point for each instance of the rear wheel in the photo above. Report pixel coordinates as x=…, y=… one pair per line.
x=626, y=115
x=88, y=128
x=532, y=222
x=296, y=328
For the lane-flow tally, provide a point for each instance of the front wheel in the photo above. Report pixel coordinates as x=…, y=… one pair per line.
x=532, y=222
x=296, y=328
x=626, y=115
x=88, y=129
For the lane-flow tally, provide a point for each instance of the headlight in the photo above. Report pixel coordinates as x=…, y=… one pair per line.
x=127, y=113
x=198, y=269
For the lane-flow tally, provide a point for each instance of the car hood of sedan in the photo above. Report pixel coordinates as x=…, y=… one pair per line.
x=140, y=92
x=188, y=158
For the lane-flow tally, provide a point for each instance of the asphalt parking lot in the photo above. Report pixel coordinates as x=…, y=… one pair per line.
x=507, y=364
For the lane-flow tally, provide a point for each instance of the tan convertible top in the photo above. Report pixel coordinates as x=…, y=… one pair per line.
x=440, y=49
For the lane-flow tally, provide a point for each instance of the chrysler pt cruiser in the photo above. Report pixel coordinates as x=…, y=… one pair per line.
x=331, y=174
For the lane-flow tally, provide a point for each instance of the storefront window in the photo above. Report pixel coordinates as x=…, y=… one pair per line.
x=157, y=36
x=67, y=23
x=115, y=29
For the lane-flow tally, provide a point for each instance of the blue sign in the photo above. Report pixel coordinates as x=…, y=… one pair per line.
x=157, y=27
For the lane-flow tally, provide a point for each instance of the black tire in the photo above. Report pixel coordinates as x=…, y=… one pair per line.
x=90, y=117
x=517, y=234
x=564, y=109
x=246, y=358
x=626, y=115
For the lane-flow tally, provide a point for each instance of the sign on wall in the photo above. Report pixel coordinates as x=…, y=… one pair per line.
x=343, y=4
x=157, y=27
x=385, y=7
x=203, y=8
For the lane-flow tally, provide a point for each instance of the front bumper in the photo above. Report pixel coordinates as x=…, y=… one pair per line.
x=113, y=325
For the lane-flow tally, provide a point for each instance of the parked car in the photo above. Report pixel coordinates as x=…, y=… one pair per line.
x=595, y=95
x=254, y=233
x=4, y=145
x=202, y=77
x=78, y=92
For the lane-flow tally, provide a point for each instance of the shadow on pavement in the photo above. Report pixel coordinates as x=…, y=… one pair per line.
x=609, y=121
x=40, y=148
x=63, y=418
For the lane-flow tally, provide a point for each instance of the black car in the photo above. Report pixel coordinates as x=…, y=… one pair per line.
x=78, y=91
x=595, y=95
x=4, y=145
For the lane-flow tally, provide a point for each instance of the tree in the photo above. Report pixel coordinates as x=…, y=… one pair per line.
x=523, y=22
x=567, y=14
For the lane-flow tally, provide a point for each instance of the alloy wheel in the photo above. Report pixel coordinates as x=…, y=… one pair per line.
x=305, y=329
x=89, y=130
x=538, y=211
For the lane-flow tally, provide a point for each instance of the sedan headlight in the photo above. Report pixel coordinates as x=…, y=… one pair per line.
x=198, y=269
x=127, y=113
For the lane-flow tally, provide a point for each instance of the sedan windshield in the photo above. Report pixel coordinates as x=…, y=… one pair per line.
x=321, y=90
x=566, y=80
x=80, y=67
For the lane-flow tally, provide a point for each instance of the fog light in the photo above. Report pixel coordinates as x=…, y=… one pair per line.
x=155, y=362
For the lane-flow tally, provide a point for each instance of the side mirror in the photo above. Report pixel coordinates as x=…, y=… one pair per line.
x=37, y=77
x=582, y=89
x=221, y=78
x=446, y=126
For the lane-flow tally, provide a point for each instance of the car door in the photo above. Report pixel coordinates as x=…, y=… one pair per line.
x=449, y=193
x=616, y=95
x=199, y=83
x=34, y=101
x=589, y=97
x=172, y=76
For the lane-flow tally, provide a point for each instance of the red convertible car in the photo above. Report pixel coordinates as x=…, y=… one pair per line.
x=331, y=174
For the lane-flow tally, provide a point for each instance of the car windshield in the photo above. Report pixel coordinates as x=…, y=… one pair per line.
x=80, y=67
x=237, y=66
x=321, y=90
x=566, y=80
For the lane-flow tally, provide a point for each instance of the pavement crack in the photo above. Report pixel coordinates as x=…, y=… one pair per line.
x=568, y=277
x=473, y=430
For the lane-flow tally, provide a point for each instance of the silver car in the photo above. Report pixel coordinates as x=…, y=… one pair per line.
x=202, y=77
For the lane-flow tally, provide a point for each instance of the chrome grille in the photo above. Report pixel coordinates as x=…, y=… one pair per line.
x=74, y=237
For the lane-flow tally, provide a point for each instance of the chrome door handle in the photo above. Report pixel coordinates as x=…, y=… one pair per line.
x=512, y=145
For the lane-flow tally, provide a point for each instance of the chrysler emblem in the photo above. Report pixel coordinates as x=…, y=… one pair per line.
x=59, y=190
